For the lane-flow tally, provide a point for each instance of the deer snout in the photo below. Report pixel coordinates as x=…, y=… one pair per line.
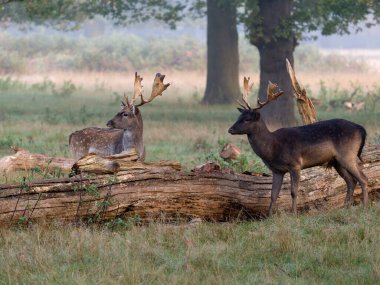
x=232, y=131
x=110, y=124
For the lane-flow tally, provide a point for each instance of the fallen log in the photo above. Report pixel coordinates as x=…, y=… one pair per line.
x=23, y=160
x=125, y=161
x=159, y=193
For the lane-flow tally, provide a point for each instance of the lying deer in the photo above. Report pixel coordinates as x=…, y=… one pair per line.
x=335, y=142
x=125, y=129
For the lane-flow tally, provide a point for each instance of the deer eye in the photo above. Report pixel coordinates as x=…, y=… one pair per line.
x=125, y=114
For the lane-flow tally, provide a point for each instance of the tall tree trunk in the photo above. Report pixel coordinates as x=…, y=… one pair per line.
x=222, y=53
x=276, y=44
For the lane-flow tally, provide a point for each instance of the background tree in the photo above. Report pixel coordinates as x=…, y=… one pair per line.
x=273, y=26
x=222, y=53
x=276, y=26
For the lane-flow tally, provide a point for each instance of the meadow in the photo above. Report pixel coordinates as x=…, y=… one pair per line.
x=39, y=108
x=337, y=247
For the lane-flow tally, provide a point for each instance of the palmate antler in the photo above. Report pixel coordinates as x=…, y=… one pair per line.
x=304, y=104
x=157, y=89
x=247, y=89
x=137, y=91
x=272, y=94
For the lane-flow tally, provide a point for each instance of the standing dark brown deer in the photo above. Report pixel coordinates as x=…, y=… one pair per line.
x=125, y=129
x=336, y=142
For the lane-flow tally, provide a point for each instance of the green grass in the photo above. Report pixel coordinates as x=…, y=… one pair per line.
x=188, y=132
x=338, y=247
x=40, y=118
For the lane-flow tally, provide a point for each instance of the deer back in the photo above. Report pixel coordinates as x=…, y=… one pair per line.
x=125, y=132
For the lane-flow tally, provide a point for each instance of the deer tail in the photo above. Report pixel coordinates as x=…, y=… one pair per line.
x=363, y=134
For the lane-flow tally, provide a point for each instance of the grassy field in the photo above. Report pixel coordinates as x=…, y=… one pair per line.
x=339, y=247
x=40, y=115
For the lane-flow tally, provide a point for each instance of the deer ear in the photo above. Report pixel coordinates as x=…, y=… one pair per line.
x=133, y=109
x=256, y=116
x=240, y=110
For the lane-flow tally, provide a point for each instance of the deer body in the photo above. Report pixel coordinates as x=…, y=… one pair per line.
x=336, y=142
x=125, y=132
x=313, y=144
x=125, y=129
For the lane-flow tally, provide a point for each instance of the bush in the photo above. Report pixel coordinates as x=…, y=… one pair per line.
x=119, y=52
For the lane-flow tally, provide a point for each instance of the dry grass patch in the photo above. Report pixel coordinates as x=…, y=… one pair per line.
x=337, y=247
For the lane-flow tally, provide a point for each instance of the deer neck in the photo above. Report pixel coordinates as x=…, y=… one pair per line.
x=262, y=141
x=133, y=137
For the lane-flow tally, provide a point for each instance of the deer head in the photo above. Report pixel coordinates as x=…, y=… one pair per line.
x=129, y=117
x=250, y=115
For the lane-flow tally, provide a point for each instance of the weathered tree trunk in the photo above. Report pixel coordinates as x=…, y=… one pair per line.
x=275, y=43
x=23, y=160
x=222, y=85
x=157, y=193
x=305, y=106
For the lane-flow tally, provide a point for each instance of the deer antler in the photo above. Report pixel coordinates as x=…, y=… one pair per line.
x=126, y=101
x=304, y=104
x=157, y=88
x=272, y=94
x=137, y=87
x=247, y=89
x=136, y=92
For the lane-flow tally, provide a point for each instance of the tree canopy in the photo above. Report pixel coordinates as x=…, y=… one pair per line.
x=274, y=26
x=327, y=16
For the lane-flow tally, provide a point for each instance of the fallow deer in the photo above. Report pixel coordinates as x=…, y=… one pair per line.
x=125, y=129
x=335, y=142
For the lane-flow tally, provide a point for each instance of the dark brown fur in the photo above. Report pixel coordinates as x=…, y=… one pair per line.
x=336, y=142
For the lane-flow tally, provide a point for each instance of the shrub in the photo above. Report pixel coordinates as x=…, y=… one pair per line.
x=119, y=52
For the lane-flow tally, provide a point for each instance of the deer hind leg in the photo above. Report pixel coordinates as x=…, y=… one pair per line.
x=276, y=187
x=353, y=168
x=295, y=175
x=350, y=181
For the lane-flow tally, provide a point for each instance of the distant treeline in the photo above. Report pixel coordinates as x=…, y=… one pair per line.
x=120, y=52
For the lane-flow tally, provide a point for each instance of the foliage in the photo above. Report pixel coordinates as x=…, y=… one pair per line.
x=68, y=14
x=327, y=16
x=333, y=97
x=117, y=52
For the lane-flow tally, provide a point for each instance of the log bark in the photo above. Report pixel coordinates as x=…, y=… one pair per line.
x=159, y=193
x=125, y=161
x=23, y=160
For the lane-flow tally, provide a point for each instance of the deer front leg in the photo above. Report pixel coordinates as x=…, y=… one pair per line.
x=276, y=187
x=295, y=175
